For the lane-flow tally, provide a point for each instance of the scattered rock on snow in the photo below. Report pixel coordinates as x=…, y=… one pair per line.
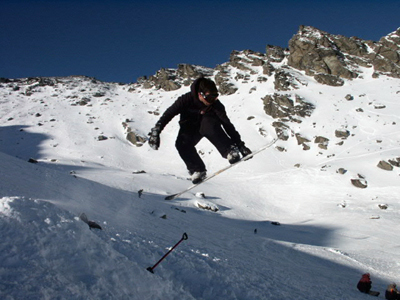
x=342, y=133
x=349, y=97
x=200, y=195
x=360, y=182
x=139, y=172
x=32, y=161
x=207, y=206
x=395, y=162
x=383, y=206
x=133, y=137
x=102, y=138
x=384, y=165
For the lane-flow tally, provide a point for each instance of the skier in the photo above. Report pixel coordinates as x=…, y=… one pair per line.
x=201, y=115
x=392, y=293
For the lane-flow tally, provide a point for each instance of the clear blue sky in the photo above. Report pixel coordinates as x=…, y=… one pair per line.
x=121, y=40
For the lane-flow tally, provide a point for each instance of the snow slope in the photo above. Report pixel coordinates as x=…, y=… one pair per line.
x=330, y=232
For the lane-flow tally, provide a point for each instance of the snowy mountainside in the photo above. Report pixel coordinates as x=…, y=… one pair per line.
x=331, y=138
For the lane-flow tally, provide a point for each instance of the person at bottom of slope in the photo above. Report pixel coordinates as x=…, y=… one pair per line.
x=201, y=115
x=392, y=293
x=365, y=284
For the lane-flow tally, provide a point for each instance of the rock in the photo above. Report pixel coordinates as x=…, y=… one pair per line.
x=349, y=97
x=133, y=137
x=321, y=140
x=99, y=94
x=383, y=206
x=329, y=79
x=284, y=81
x=282, y=130
x=242, y=60
x=384, y=165
x=225, y=87
x=200, y=195
x=268, y=69
x=207, y=206
x=139, y=172
x=379, y=106
x=360, y=183
x=102, y=138
x=315, y=51
x=301, y=140
x=342, y=133
x=284, y=106
x=187, y=71
x=275, y=53
x=395, y=162
x=173, y=79
x=318, y=52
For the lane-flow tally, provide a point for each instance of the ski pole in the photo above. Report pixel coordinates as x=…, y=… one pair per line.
x=151, y=269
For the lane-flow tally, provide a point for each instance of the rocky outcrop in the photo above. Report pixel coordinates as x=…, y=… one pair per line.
x=243, y=60
x=329, y=58
x=222, y=80
x=173, y=79
x=163, y=79
x=276, y=53
x=287, y=106
x=318, y=52
x=315, y=51
x=284, y=81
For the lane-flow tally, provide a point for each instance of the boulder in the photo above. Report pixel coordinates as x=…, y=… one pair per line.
x=342, y=133
x=284, y=106
x=360, y=183
x=384, y=165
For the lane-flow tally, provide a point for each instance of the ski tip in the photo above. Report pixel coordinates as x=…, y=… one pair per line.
x=171, y=197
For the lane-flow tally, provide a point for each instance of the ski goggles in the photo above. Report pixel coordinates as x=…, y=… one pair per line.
x=210, y=98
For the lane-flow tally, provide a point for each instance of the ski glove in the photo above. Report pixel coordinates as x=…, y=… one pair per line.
x=154, y=140
x=244, y=150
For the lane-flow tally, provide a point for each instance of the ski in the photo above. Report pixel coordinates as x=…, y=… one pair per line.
x=174, y=196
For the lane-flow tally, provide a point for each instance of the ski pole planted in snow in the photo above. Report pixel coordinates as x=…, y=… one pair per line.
x=151, y=269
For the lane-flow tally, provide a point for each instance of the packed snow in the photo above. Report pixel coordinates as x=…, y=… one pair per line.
x=283, y=225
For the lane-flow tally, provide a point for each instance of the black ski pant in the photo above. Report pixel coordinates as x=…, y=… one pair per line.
x=190, y=136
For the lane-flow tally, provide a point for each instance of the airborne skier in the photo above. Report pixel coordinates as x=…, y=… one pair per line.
x=201, y=115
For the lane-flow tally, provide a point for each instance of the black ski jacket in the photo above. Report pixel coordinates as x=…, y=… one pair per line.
x=192, y=110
